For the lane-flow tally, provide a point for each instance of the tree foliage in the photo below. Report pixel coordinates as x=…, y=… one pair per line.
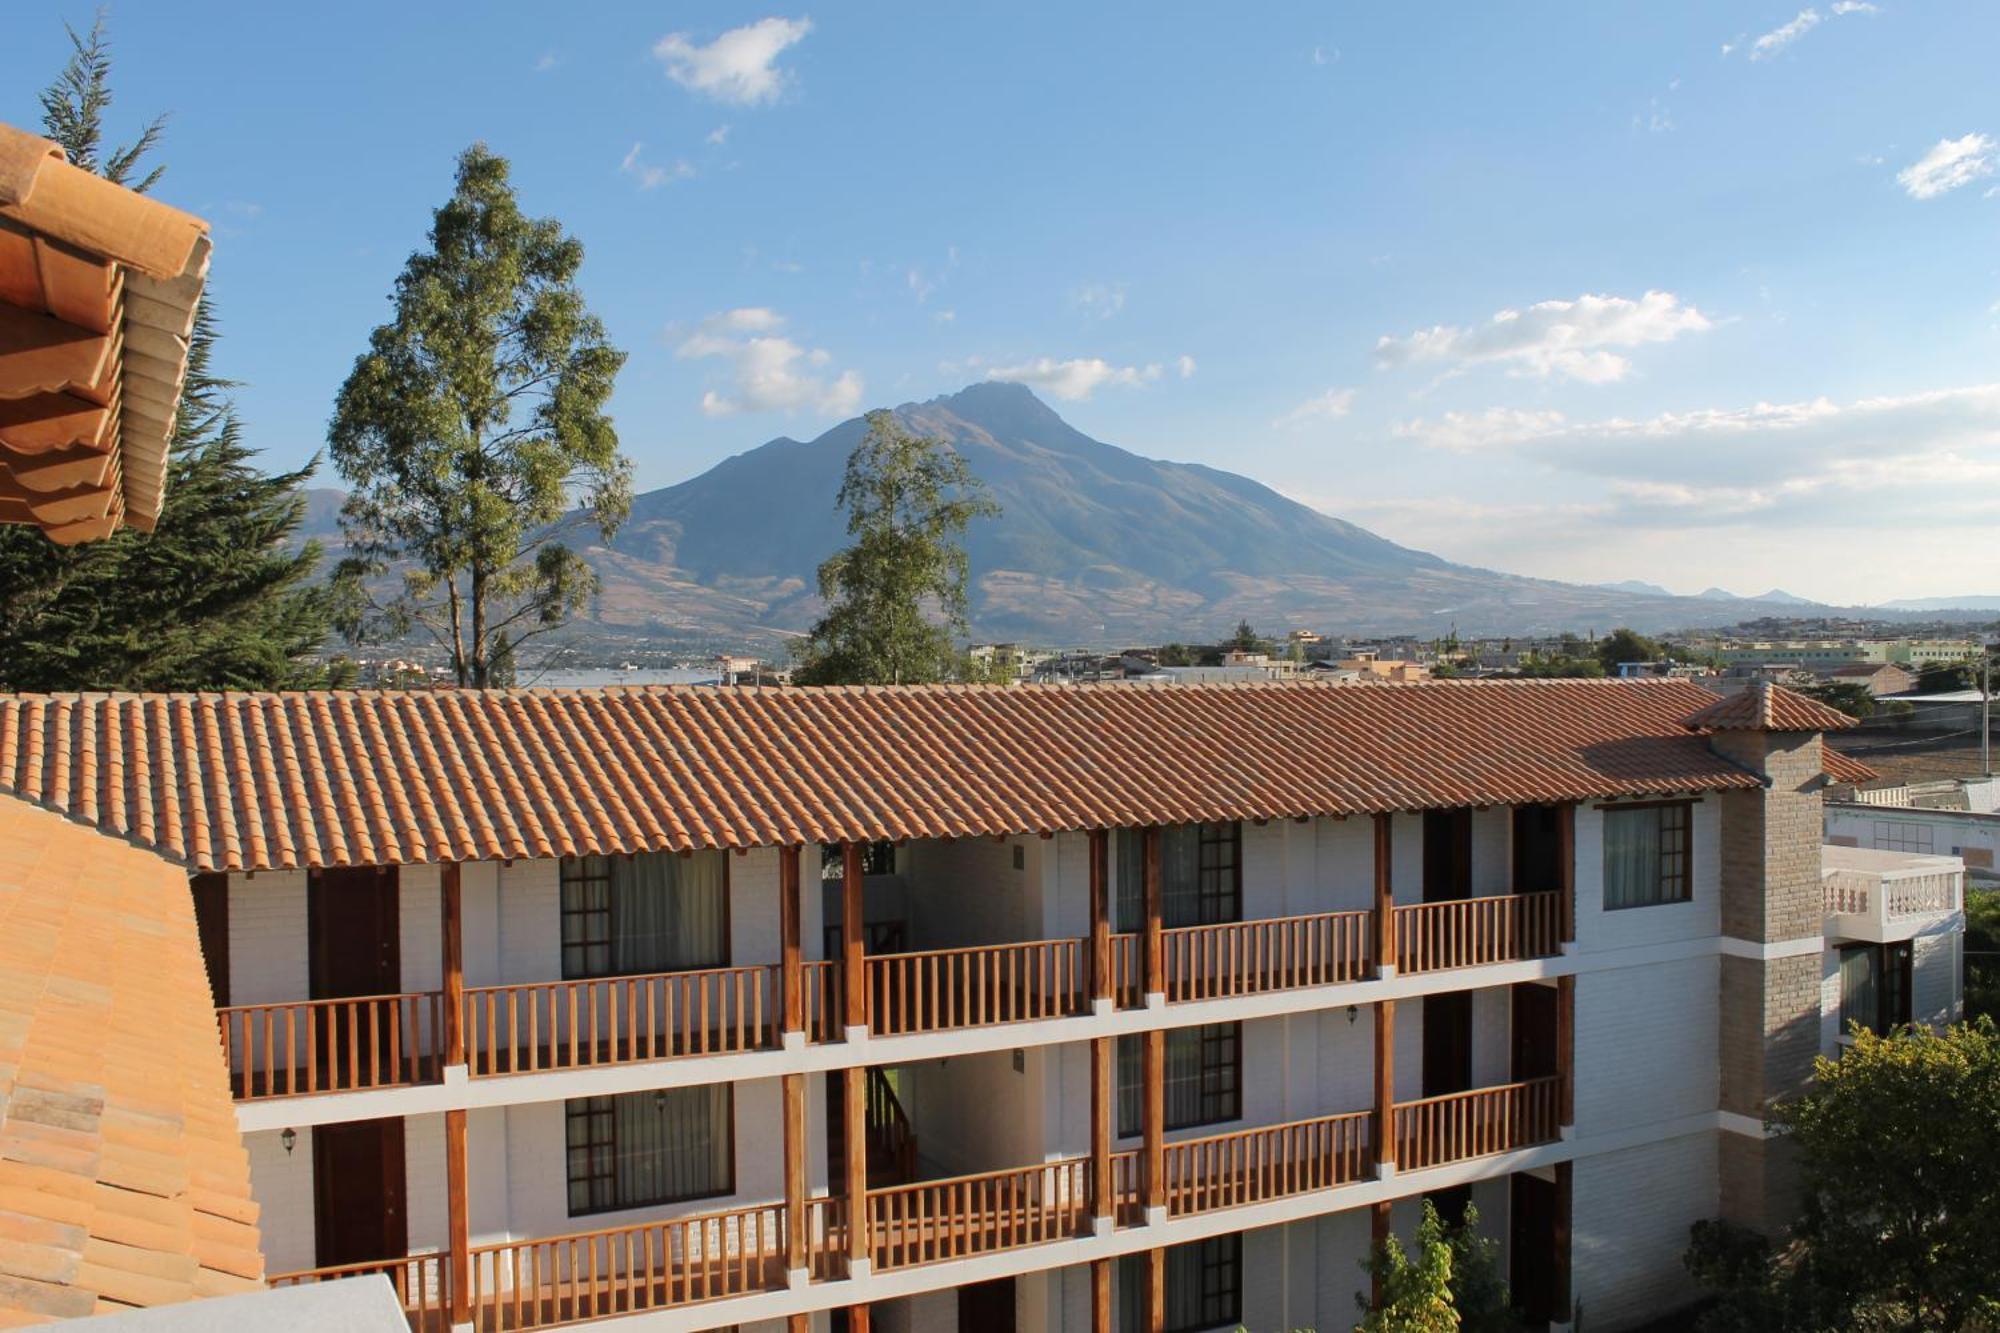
x=897, y=596
x=1625, y=645
x=1416, y=1289
x=221, y=594
x=470, y=431
x=1848, y=696
x=1900, y=1227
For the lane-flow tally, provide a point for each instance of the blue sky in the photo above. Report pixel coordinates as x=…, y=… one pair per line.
x=1694, y=293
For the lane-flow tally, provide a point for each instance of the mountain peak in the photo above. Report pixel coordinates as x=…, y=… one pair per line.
x=1000, y=407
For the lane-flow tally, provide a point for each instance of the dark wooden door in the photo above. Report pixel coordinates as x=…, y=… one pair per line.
x=358, y=1213
x=1447, y=1043
x=211, y=924
x=1534, y=1031
x=1537, y=848
x=987, y=1307
x=1447, y=855
x=1531, y=1252
x=353, y=948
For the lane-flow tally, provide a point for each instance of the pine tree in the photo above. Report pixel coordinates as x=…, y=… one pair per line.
x=220, y=595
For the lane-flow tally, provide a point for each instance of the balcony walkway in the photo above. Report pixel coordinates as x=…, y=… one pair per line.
x=597, y=1274
x=314, y=1046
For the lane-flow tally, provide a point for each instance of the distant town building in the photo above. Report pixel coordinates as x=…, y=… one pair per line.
x=1879, y=678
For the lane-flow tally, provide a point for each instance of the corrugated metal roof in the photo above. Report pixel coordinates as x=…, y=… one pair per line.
x=263, y=781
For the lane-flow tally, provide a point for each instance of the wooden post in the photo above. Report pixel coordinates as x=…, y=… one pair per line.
x=796, y=1224
x=798, y=1323
x=1100, y=1296
x=857, y=1318
x=1155, y=938
x=853, y=928
x=1378, y=1234
x=854, y=1131
x=1385, y=894
x=1154, y=1102
x=1385, y=1086
x=1566, y=1047
x=793, y=980
x=451, y=902
x=1156, y=1290
x=1566, y=844
x=1102, y=980
x=1560, y=1294
x=458, y=1223
x=1103, y=1096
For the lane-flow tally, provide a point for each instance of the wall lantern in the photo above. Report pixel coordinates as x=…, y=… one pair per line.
x=290, y=1138
x=1352, y=1013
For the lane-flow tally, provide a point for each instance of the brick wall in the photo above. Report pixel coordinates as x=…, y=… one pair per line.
x=1630, y=1225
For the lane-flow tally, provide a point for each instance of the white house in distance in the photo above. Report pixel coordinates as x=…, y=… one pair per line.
x=1002, y=1007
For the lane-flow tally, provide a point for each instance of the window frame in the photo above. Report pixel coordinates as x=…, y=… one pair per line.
x=595, y=932
x=1218, y=887
x=1895, y=988
x=1681, y=853
x=1214, y=1257
x=601, y=1150
x=1219, y=1096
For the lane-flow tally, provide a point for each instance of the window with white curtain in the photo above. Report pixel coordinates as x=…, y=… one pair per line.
x=642, y=1148
x=654, y=912
x=1648, y=854
x=1203, y=1082
x=1204, y=1286
x=1201, y=875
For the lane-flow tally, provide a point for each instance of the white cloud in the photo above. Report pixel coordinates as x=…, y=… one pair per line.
x=651, y=175
x=1855, y=7
x=1324, y=55
x=547, y=61
x=1185, y=365
x=770, y=371
x=1553, y=338
x=1781, y=37
x=1099, y=300
x=1075, y=379
x=1948, y=165
x=740, y=66
x=717, y=136
x=1328, y=406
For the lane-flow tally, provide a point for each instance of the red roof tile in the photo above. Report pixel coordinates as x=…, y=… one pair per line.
x=264, y=781
x=1763, y=706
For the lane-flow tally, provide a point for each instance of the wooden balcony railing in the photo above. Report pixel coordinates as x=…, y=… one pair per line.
x=626, y=1270
x=546, y=1025
x=940, y=989
x=422, y=1283
x=1471, y=932
x=1128, y=1198
x=310, y=1046
x=1128, y=972
x=1461, y=1125
x=1269, y=1162
x=1272, y=953
x=935, y=1220
x=824, y=997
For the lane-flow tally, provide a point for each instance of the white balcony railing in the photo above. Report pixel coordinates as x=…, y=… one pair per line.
x=1881, y=896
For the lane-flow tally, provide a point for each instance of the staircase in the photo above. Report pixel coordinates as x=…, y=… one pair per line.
x=891, y=1139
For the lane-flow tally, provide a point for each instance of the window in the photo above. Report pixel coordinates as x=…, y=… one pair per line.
x=877, y=858
x=1648, y=853
x=1875, y=987
x=642, y=1148
x=1894, y=837
x=655, y=912
x=1204, y=1077
x=1204, y=1286
x=1201, y=875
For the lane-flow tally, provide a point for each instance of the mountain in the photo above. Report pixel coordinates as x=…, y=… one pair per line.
x=1969, y=603
x=1717, y=595
x=1638, y=586
x=1779, y=597
x=1095, y=545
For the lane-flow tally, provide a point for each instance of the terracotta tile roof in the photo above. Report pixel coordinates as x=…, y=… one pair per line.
x=260, y=781
x=1763, y=706
x=98, y=287
x=122, y=1179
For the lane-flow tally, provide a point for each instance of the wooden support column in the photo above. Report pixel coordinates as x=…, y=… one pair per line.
x=1566, y=844
x=1154, y=1105
x=451, y=904
x=1566, y=1048
x=1155, y=937
x=1103, y=1096
x=797, y=1227
x=1378, y=1235
x=1100, y=1296
x=854, y=1132
x=1384, y=1126
x=857, y=1318
x=853, y=935
x=1155, y=1303
x=793, y=979
x=457, y=1218
x=1385, y=895
x=1102, y=979
x=1560, y=1294
x=798, y=1323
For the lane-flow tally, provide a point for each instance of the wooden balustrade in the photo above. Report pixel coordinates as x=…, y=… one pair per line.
x=940, y=989
x=546, y=1025
x=1269, y=1162
x=626, y=1270
x=1272, y=953
x=1128, y=980
x=823, y=1015
x=1128, y=1197
x=1435, y=1130
x=422, y=1283
x=826, y=1237
x=1471, y=932
x=310, y=1046
x=935, y=1220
